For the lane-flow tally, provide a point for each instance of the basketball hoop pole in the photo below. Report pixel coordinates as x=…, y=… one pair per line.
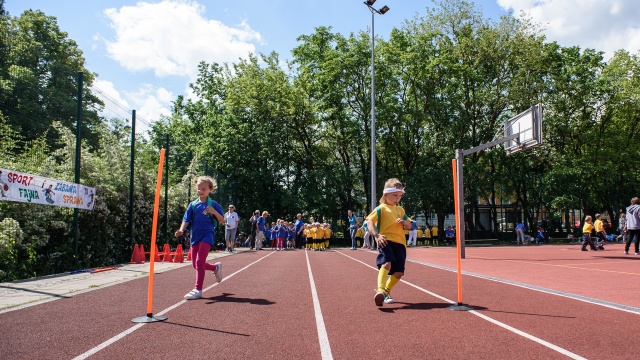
x=460, y=154
x=458, y=186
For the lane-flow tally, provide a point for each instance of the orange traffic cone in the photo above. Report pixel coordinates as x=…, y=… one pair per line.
x=166, y=253
x=134, y=255
x=157, y=257
x=179, y=256
x=141, y=255
x=189, y=255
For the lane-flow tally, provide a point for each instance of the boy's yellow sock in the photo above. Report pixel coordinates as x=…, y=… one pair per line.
x=382, y=278
x=391, y=282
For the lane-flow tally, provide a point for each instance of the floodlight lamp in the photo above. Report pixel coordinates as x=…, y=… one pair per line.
x=383, y=10
x=369, y=2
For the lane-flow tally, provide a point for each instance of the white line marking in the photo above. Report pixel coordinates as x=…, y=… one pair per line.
x=493, y=321
x=585, y=299
x=105, y=344
x=529, y=336
x=325, y=347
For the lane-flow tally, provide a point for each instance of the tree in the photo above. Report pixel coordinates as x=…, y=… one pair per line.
x=38, y=78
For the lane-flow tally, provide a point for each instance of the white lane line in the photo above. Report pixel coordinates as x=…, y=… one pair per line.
x=529, y=336
x=607, y=304
x=323, y=338
x=491, y=320
x=105, y=344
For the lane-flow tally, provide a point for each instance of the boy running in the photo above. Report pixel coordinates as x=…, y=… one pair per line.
x=386, y=224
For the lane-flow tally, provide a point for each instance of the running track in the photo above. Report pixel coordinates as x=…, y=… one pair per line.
x=545, y=302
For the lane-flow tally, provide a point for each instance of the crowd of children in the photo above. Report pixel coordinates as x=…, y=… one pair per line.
x=425, y=235
x=282, y=235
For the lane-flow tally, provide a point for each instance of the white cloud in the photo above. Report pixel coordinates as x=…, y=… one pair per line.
x=172, y=36
x=603, y=25
x=151, y=102
x=114, y=104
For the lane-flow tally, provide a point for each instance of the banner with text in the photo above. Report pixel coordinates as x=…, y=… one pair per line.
x=17, y=186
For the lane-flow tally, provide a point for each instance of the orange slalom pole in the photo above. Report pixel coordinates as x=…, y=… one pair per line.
x=458, y=228
x=152, y=252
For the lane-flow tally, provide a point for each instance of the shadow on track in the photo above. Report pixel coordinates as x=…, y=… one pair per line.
x=227, y=297
x=532, y=314
x=201, y=328
x=420, y=306
x=34, y=291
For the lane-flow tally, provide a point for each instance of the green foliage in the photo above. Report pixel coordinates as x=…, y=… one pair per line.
x=295, y=138
x=38, y=77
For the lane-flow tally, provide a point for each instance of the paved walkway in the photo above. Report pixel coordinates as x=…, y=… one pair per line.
x=20, y=294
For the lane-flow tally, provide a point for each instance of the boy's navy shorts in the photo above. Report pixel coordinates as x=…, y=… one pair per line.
x=394, y=253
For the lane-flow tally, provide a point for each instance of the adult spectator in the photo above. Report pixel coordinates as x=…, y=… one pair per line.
x=231, y=227
x=413, y=233
x=353, y=228
x=520, y=237
x=299, y=228
x=633, y=225
x=260, y=222
x=254, y=228
x=622, y=228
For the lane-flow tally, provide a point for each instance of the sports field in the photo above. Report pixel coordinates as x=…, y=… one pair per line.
x=531, y=302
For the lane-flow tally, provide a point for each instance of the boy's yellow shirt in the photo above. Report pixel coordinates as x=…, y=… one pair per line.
x=319, y=233
x=587, y=228
x=388, y=226
x=598, y=225
x=327, y=233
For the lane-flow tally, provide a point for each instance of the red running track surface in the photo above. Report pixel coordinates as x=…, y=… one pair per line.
x=535, y=302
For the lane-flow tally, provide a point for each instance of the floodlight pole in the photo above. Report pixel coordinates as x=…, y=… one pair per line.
x=382, y=11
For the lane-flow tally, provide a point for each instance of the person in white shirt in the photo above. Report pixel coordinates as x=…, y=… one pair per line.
x=633, y=225
x=232, y=219
x=413, y=233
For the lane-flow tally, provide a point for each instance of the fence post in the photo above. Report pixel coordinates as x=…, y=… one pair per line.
x=131, y=181
x=77, y=167
x=166, y=191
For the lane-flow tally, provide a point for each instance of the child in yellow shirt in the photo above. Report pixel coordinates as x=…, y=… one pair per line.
x=586, y=234
x=387, y=223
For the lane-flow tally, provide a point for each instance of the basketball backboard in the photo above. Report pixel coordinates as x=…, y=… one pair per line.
x=528, y=126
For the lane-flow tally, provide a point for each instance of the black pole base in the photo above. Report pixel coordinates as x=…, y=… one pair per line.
x=148, y=319
x=460, y=307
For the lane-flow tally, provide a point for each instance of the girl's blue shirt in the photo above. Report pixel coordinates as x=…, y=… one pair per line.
x=202, y=228
x=352, y=221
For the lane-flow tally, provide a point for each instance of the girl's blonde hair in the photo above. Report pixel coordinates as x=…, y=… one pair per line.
x=587, y=218
x=209, y=181
x=389, y=184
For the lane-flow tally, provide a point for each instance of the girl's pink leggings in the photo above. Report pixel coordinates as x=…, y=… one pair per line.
x=199, y=253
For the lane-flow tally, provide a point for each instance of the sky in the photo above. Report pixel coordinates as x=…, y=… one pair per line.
x=145, y=53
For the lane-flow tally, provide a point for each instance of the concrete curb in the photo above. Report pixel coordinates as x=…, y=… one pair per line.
x=24, y=293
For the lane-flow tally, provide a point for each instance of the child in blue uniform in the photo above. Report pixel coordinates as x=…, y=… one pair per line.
x=202, y=233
